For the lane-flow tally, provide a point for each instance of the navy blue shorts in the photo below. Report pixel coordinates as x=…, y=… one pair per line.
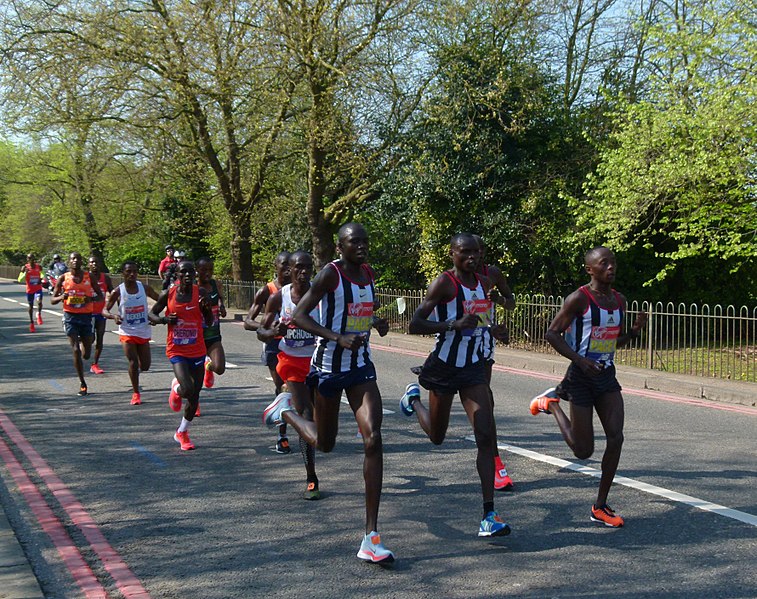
x=30, y=297
x=271, y=353
x=583, y=390
x=441, y=378
x=193, y=362
x=331, y=384
x=77, y=325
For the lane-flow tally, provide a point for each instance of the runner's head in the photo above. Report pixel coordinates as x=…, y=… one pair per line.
x=600, y=263
x=281, y=264
x=481, y=247
x=30, y=258
x=352, y=243
x=130, y=269
x=186, y=274
x=301, y=267
x=204, y=270
x=75, y=261
x=93, y=265
x=465, y=252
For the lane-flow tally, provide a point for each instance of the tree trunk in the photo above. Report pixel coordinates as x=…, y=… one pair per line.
x=241, y=248
x=320, y=229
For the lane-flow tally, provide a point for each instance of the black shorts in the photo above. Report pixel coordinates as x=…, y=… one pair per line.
x=331, y=384
x=271, y=353
x=78, y=325
x=440, y=377
x=583, y=390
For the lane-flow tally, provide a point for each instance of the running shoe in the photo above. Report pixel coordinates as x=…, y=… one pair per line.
x=412, y=392
x=274, y=410
x=312, y=493
x=82, y=391
x=502, y=481
x=136, y=399
x=493, y=526
x=95, y=369
x=197, y=411
x=282, y=445
x=372, y=550
x=210, y=377
x=541, y=402
x=39, y=318
x=174, y=399
x=183, y=440
x=606, y=516
x=31, y=327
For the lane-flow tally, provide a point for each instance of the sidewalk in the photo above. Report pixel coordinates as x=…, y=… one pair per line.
x=17, y=581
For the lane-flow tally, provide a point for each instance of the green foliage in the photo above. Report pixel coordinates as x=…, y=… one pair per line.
x=677, y=176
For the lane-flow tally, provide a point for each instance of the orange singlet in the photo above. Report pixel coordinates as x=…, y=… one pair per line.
x=76, y=302
x=185, y=337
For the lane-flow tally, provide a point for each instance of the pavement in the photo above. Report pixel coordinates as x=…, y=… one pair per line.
x=17, y=580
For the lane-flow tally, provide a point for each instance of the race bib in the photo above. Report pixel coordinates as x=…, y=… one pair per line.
x=482, y=308
x=185, y=333
x=359, y=317
x=33, y=280
x=76, y=301
x=298, y=337
x=602, y=343
x=135, y=315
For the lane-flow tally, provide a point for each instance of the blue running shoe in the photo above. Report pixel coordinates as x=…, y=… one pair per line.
x=274, y=410
x=493, y=526
x=412, y=392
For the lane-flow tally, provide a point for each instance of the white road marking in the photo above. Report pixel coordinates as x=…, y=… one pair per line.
x=230, y=365
x=701, y=504
x=7, y=299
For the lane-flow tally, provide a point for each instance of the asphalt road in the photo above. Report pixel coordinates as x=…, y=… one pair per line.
x=227, y=520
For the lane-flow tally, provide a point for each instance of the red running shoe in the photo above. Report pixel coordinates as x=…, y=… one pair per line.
x=210, y=376
x=31, y=327
x=95, y=369
x=541, y=402
x=502, y=480
x=39, y=318
x=136, y=400
x=183, y=440
x=174, y=399
x=606, y=516
x=197, y=411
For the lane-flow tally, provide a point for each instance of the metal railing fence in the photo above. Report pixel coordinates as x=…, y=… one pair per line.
x=702, y=340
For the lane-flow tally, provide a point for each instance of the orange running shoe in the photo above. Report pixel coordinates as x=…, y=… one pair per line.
x=502, y=480
x=95, y=369
x=136, y=400
x=183, y=440
x=541, y=402
x=82, y=390
x=39, y=318
x=606, y=516
x=210, y=376
x=31, y=327
x=197, y=412
x=174, y=399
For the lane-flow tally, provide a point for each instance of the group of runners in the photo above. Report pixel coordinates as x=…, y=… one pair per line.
x=317, y=332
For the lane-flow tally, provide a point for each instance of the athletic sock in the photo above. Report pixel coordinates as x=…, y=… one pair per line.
x=184, y=426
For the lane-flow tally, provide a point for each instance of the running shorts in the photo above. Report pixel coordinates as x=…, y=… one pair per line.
x=292, y=368
x=438, y=376
x=583, y=390
x=77, y=325
x=331, y=384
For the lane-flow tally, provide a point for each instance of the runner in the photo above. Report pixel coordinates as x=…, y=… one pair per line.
x=78, y=292
x=133, y=325
x=98, y=320
x=271, y=349
x=215, y=361
x=31, y=274
x=297, y=347
x=586, y=330
x=499, y=294
x=342, y=362
x=187, y=310
x=458, y=299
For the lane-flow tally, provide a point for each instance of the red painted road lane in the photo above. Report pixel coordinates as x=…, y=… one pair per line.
x=556, y=379
x=125, y=581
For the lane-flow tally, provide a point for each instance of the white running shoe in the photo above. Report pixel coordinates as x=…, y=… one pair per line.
x=371, y=550
x=274, y=410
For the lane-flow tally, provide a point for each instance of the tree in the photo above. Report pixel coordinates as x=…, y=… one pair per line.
x=678, y=174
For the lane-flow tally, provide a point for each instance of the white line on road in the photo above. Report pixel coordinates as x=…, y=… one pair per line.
x=7, y=299
x=634, y=484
